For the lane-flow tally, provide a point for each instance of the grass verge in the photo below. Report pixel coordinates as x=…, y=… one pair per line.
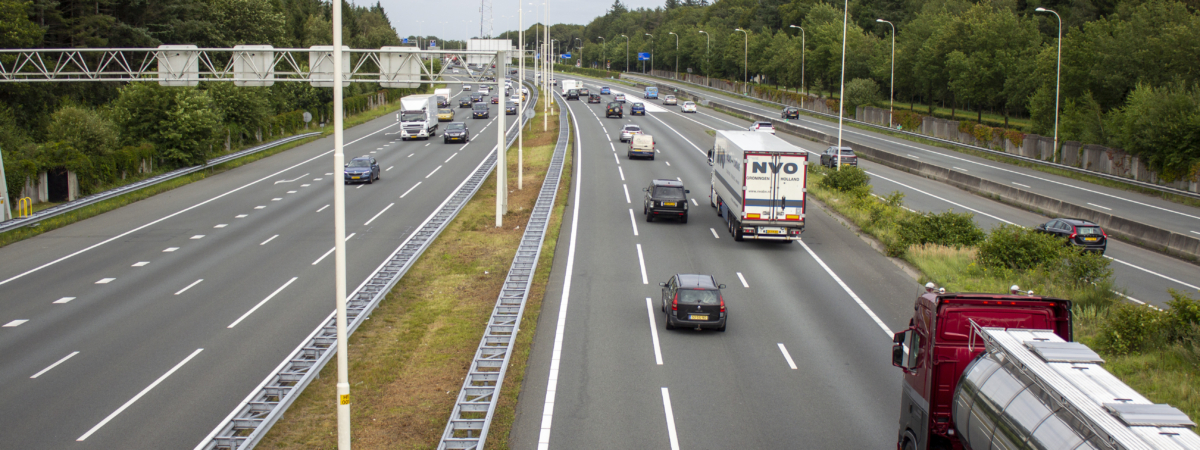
x=62, y=220
x=409, y=359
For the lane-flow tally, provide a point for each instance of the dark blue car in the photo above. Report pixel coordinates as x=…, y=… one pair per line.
x=605, y=91
x=637, y=109
x=363, y=169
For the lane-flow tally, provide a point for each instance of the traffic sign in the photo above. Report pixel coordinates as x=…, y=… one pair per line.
x=643, y=56
x=566, y=56
x=432, y=43
x=404, y=41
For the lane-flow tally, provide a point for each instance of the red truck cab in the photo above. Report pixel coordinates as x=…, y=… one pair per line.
x=939, y=344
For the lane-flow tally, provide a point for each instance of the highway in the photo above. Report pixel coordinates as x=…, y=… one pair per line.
x=142, y=328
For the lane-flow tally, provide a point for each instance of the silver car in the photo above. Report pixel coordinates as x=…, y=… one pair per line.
x=628, y=131
x=688, y=107
x=669, y=100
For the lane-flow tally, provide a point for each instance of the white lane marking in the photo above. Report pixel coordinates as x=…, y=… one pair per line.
x=198, y=236
x=170, y=249
x=305, y=185
x=410, y=155
x=617, y=159
x=910, y=155
x=450, y=158
x=410, y=189
x=739, y=274
x=276, y=199
x=714, y=232
x=942, y=199
x=331, y=173
x=105, y=280
x=614, y=148
x=641, y=261
x=240, y=216
x=269, y=240
x=848, y=290
x=787, y=356
x=292, y=180
x=360, y=186
x=292, y=192
x=1192, y=286
x=140, y=263
x=434, y=171
x=694, y=202
x=220, y=225
x=622, y=172
x=959, y=168
x=626, y=189
x=331, y=250
x=634, y=222
x=263, y=302
x=668, y=162
x=1101, y=207
x=560, y=327
x=681, y=136
x=671, y=435
x=259, y=207
x=317, y=179
x=189, y=286
x=15, y=323
x=1021, y=185
x=427, y=144
x=1130, y=298
x=64, y=300
x=389, y=168
x=47, y=369
x=322, y=208
x=139, y=395
x=380, y=213
x=119, y=236
x=372, y=152
x=1197, y=232
x=653, y=331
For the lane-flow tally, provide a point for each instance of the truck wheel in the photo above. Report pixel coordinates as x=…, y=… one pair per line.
x=737, y=230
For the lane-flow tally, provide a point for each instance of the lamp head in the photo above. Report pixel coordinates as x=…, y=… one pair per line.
x=880, y=20
x=1041, y=9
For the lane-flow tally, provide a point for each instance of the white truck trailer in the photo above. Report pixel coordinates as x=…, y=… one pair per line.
x=571, y=84
x=444, y=97
x=759, y=185
x=418, y=116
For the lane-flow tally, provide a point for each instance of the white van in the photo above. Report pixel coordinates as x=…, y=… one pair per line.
x=641, y=146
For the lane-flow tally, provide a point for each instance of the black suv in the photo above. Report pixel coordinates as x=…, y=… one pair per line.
x=573, y=94
x=480, y=111
x=1077, y=232
x=464, y=102
x=594, y=98
x=791, y=112
x=694, y=301
x=830, y=157
x=456, y=132
x=614, y=109
x=667, y=199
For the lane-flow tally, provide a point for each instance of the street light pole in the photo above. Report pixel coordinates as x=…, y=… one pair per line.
x=746, y=61
x=520, y=99
x=626, y=52
x=707, y=41
x=676, y=54
x=892, y=89
x=1057, y=78
x=653, y=50
x=803, y=50
x=603, y=52
x=842, y=95
x=339, y=238
x=580, y=48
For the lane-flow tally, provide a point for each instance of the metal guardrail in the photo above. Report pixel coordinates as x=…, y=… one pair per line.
x=253, y=417
x=37, y=217
x=1027, y=159
x=473, y=410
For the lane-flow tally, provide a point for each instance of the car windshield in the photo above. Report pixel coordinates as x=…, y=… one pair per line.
x=668, y=192
x=479, y=106
x=360, y=163
x=704, y=297
x=445, y=111
x=456, y=126
x=410, y=117
x=1087, y=230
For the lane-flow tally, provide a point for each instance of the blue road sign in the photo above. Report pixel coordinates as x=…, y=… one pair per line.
x=566, y=56
x=433, y=43
x=643, y=56
x=404, y=41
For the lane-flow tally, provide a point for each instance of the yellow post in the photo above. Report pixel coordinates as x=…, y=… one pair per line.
x=25, y=207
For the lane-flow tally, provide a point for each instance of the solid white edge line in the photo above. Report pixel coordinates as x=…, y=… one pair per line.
x=263, y=302
x=1101, y=207
x=633, y=222
x=410, y=189
x=653, y=331
x=847, y=289
x=379, y=214
x=269, y=240
x=1192, y=286
x=43, y=266
x=671, y=434
x=714, y=232
x=739, y=274
x=559, y=330
x=626, y=188
x=65, y=358
x=968, y=208
x=787, y=356
x=642, y=263
x=139, y=395
x=189, y=286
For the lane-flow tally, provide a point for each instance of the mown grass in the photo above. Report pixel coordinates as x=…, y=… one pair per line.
x=62, y=220
x=1164, y=372
x=409, y=360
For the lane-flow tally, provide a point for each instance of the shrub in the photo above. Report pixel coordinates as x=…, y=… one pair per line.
x=1083, y=268
x=848, y=179
x=949, y=228
x=1016, y=137
x=1183, y=318
x=966, y=126
x=1129, y=329
x=1014, y=247
x=911, y=121
x=982, y=133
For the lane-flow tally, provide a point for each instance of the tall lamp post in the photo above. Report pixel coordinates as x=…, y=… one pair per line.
x=626, y=52
x=339, y=239
x=603, y=51
x=653, y=50
x=1057, y=78
x=892, y=89
x=803, y=50
x=676, y=54
x=580, y=47
x=746, y=61
x=707, y=41
x=842, y=95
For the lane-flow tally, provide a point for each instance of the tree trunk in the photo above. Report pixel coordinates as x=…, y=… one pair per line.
x=979, y=117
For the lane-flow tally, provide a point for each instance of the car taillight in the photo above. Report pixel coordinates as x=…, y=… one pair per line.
x=675, y=302
x=722, y=303
x=1073, y=233
x=1103, y=233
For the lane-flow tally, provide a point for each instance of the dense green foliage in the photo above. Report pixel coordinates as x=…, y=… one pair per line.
x=1133, y=328
x=947, y=228
x=848, y=179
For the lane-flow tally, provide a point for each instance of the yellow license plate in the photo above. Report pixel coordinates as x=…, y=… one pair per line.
x=668, y=203
x=1091, y=239
x=772, y=231
x=354, y=178
x=697, y=316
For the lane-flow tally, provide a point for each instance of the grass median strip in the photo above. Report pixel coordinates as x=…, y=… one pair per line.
x=408, y=360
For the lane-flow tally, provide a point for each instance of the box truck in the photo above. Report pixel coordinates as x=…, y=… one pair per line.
x=999, y=371
x=571, y=84
x=758, y=185
x=443, y=97
x=418, y=116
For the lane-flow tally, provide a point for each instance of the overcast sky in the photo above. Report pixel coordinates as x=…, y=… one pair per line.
x=461, y=17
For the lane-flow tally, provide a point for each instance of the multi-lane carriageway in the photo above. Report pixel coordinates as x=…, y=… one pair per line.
x=142, y=328
x=805, y=362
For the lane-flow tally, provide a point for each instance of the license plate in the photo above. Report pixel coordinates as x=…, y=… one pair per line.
x=697, y=316
x=773, y=230
x=668, y=203
x=354, y=178
x=1091, y=239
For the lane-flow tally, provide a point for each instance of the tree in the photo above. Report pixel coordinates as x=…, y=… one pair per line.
x=180, y=122
x=247, y=22
x=1162, y=125
x=84, y=129
x=16, y=30
x=859, y=92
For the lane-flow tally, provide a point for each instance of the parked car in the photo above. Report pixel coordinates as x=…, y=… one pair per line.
x=1077, y=232
x=480, y=111
x=605, y=91
x=628, y=131
x=584, y=92
x=670, y=100
x=762, y=127
x=688, y=107
x=572, y=94
x=464, y=102
x=456, y=132
x=510, y=108
x=363, y=169
x=830, y=157
x=637, y=109
x=445, y=114
x=694, y=301
x=614, y=109
x=594, y=98
x=665, y=198
x=790, y=112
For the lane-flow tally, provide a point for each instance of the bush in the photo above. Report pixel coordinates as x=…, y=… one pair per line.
x=1183, y=318
x=949, y=228
x=1129, y=329
x=848, y=179
x=909, y=120
x=1014, y=247
x=983, y=134
x=1083, y=268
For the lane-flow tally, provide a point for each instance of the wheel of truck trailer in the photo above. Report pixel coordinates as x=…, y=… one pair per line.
x=737, y=231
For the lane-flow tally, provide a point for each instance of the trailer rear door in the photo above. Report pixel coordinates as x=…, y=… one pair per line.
x=775, y=186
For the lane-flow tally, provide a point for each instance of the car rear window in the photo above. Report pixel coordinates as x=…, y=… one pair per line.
x=847, y=152
x=1087, y=230
x=704, y=297
x=668, y=192
x=632, y=128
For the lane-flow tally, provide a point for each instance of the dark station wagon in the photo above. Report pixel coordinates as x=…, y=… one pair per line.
x=694, y=301
x=1077, y=232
